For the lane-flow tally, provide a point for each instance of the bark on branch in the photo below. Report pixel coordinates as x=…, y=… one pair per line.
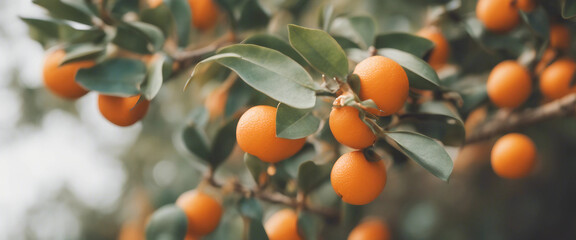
x=504, y=123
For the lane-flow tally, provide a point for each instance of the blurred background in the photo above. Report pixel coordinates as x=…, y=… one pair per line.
x=66, y=173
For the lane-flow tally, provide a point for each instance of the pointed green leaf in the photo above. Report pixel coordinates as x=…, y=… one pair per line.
x=309, y=225
x=444, y=128
x=167, y=223
x=256, y=166
x=251, y=208
x=180, y=10
x=139, y=37
x=160, y=17
x=417, y=46
x=269, y=72
x=223, y=143
x=117, y=76
x=311, y=175
x=568, y=9
x=61, y=10
x=295, y=123
x=359, y=29
x=154, y=79
x=537, y=20
x=195, y=142
x=425, y=151
x=291, y=165
x=273, y=42
x=320, y=50
x=83, y=52
x=420, y=74
x=151, y=33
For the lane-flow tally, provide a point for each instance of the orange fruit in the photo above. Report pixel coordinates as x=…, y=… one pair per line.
x=556, y=79
x=526, y=5
x=385, y=82
x=122, y=111
x=440, y=52
x=509, y=84
x=357, y=180
x=283, y=225
x=216, y=102
x=560, y=37
x=60, y=80
x=370, y=229
x=349, y=129
x=204, y=13
x=154, y=3
x=256, y=135
x=131, y=230
x=513, y=156
x=202, y=211
x=498, y=15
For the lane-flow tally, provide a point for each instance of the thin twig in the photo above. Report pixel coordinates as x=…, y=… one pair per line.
x=504, y=123
x=271, y=197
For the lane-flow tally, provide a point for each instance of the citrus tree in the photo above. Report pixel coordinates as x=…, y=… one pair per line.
x=316, y=101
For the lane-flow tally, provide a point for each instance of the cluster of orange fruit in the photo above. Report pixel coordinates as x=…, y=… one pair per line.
x=122, y=111
x=60, y=80
x=204, y=212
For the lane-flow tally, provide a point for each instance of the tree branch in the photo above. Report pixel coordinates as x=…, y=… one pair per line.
x=271, y=197
x=504, y=123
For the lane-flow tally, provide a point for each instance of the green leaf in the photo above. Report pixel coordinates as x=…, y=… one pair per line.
x=154, y=79
x=537, y=20
x=139, y=37
x=151, y=33
x=182, y=17
x=273, y=42
x=61, y=10
x=425, y=151
x=295, y=123
x=42, y=30
x=568, y=9
x=122, y=7
x=309, y=225
x=311, y=175
x=256, y=167
x=238, y=97
x=417, y=46
x=223, y=143
x=359, y=29
x=420, y=74
x=83, y=52
x=117, y=76
x=326, y=17
x=320, y=50
x=251, y=208
x=195, y=142
x=446, y=129
x=269, y=72
x=252, y=16
x=167, y=223
x=160, y=17
x=346, y=43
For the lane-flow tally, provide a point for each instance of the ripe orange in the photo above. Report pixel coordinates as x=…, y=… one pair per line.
x=498, y=15
x=526, y=5
x=202, y=210
x=509, y=84
x=283, y=225
x=122, y=111
x=256, y=135
x=513, y=156
x=370, y=229
x=204, y=13
x=556, y=78
x=60, y=80
x=349, y=129
x=560, y=37
x=357, y=180
x=385, y=82
x=441, y=50
x=216, y=102
x=154, y=3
